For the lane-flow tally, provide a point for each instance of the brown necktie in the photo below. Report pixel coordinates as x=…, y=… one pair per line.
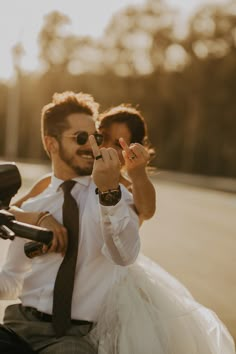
x=63, y=288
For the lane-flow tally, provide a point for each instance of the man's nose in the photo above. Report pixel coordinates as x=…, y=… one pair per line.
x=86, y=146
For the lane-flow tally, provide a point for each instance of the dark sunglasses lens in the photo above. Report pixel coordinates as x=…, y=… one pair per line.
x=99, y=138
x=82, y=138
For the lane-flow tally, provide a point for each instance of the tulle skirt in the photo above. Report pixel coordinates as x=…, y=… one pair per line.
x=148, y=311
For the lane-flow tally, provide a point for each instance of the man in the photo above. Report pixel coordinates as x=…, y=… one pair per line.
x=104, y=237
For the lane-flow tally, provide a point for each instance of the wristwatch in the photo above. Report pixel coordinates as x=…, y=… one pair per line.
x=109, y=197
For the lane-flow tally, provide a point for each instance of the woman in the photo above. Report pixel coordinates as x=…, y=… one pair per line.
x=148, y=310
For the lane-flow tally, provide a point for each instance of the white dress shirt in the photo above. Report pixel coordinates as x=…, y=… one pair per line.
x=108, y=239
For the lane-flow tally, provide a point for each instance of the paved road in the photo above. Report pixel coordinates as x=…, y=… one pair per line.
x=193, y=236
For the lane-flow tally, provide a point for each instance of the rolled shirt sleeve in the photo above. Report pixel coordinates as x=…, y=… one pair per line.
x=120, y=228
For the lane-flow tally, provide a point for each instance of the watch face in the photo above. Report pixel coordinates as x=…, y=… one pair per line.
x=110, y=198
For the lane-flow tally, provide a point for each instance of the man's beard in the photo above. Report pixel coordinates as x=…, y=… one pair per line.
x=80, y=171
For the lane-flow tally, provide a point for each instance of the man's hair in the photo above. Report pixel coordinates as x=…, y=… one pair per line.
x=54, y=115
x=134, y=120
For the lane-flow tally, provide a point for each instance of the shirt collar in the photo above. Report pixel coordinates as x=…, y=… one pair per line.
x=56, y=182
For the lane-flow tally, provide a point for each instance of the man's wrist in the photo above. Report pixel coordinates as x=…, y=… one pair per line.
x=109, y=197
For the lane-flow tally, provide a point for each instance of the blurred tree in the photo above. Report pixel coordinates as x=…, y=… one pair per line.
x=136, y=40
x=61, y=51
x=87, y=56
x=211, y=75
x=55, y=46
x=13, y=104
x=3, y=106
x=185, y=88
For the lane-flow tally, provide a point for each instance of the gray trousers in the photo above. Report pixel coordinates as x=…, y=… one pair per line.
x=80, y=339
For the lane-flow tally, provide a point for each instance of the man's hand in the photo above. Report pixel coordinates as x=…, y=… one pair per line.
x=106, y=169
x=136, y=158
x=60, y=236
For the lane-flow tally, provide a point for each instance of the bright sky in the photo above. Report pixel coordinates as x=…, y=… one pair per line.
x=21, y=21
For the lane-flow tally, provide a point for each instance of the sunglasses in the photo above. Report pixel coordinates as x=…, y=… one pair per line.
x=82, y=137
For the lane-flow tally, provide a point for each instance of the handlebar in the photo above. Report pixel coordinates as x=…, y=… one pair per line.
x=9, y=228
x=34, y=233
x=10, y=182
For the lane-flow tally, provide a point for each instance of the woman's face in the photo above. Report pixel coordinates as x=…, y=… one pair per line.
x=111, y=137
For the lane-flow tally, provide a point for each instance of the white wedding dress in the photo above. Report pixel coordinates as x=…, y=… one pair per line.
x=148, y=311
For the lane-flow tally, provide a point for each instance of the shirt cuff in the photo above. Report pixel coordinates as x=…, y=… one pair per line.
x=115, y=212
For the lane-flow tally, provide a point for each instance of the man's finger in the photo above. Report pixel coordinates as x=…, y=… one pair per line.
x=61, y=243
x=53, y=246
x=94, y=146
x=114, y=155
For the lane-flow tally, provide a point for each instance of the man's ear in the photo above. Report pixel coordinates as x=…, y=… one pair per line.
x=51, y=144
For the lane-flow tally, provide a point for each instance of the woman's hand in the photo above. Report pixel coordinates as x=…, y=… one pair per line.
x=136, y=158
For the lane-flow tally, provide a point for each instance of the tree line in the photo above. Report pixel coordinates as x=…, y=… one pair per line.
x=184, y=86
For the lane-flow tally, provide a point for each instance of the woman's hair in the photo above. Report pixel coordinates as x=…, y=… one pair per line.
x=54, y=115
x=134, y=120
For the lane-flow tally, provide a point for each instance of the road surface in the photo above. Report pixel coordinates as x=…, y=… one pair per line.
x=192, y=235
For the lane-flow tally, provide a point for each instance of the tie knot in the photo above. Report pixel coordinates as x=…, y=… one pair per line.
x=67, y=185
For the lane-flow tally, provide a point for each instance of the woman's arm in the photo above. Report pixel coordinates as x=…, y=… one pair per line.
x=37, y=188
x=142, y=188
x=144, y=195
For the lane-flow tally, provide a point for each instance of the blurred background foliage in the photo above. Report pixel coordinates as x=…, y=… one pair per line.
x=185, y=86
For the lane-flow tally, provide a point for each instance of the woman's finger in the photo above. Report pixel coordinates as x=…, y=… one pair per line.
x=136, y=150
x=140, y=151
x=126, y=148
x=124, y=145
